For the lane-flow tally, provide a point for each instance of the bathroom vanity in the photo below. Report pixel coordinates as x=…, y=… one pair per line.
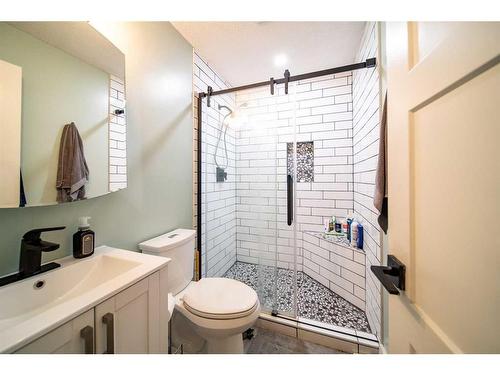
x=112, y=302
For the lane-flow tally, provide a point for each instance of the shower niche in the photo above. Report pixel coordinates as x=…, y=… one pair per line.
x=305, y=160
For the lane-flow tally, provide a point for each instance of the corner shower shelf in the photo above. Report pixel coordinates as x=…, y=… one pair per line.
x=337, y=240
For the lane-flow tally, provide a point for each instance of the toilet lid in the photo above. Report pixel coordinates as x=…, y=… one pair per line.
x=220, y=298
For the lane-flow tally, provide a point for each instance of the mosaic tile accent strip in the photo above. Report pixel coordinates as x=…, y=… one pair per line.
x=305, y=161
x=315, y=301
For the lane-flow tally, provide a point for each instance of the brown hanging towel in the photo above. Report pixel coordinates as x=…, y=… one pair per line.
x=380, y=198
x=72, y=170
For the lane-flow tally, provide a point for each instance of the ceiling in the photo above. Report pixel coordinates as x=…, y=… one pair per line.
x=244, y=52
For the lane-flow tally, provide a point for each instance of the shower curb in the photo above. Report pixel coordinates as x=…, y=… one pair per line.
x=335, y=337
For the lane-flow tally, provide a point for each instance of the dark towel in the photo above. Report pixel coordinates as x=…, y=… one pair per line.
x=22, y=196
x=380, y=198
x=72, y=171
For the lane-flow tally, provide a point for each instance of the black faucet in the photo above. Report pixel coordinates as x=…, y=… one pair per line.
x=30, y=262
x=32, y=246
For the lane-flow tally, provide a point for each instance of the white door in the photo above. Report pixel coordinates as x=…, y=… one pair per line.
x=73, y=337
x=130, y=321
x=444, y=185
x=10, y=133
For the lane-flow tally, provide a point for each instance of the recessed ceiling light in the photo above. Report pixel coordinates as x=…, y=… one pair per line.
x=280, y=60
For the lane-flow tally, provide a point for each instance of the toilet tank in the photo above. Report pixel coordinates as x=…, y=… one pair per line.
x=177, y=245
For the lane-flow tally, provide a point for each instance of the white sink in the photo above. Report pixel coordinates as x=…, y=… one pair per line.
x=28, y=311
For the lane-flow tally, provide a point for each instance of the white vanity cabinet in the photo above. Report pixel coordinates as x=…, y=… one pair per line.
x=70, y=338
x=130, y=321
x=134, y=320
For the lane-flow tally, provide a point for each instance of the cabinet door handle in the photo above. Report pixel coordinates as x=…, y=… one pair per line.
x=87, y=334
x=109, y=321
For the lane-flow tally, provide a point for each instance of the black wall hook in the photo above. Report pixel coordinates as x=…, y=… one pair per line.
x=271, y=83
x=391, y=276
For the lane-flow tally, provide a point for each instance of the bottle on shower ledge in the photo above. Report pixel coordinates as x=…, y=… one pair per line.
x=354, y=233
x=338, y=226
x=344, y=226
x=331, y=224
x=359, y=242
x=349, y=222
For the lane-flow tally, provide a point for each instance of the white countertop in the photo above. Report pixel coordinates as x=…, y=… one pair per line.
x=82, y=292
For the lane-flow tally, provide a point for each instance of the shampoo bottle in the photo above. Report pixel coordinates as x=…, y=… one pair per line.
x=344, y=226
x=84, y=239
x=327, y=225
x=331, y=225
x=349, y=222
x=354, y=233
x=359, y=243
x=338, y=226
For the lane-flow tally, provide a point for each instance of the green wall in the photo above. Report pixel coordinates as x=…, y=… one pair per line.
x=159, y=147
x=57, y=89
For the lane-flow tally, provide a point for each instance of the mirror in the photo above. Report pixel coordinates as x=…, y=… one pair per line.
x=62, y=114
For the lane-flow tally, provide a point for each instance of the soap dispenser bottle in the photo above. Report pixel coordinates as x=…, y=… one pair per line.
x=84, y=239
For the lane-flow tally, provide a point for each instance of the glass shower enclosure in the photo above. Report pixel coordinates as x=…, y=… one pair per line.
x=247, y=180
x=274, y=168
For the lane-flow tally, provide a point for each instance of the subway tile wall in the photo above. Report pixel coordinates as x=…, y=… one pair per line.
x=338, y=266
x=218, y=198
x=117, y=135
x=320, y=111
x=366, y=122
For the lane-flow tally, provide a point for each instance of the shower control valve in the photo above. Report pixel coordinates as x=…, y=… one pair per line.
x=220, y=174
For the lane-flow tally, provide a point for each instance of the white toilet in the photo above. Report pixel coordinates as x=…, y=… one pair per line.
x=218, y=310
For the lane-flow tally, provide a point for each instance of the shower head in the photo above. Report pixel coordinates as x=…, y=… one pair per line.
x=225, y=107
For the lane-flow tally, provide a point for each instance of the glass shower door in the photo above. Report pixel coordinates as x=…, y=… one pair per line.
x=248, y=217
x=218, y=186
x=287, y=250
x=265, y=189
x=257, y=194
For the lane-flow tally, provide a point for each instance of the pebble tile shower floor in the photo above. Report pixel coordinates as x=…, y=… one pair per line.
x=315, y=301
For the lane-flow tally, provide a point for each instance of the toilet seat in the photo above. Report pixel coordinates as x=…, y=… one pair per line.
x=220, y=299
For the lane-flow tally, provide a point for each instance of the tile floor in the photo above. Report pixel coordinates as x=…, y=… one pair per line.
x=270, y=342
x=315, y=301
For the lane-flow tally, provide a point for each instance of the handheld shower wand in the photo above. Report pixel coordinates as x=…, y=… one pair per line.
x=226, y=107
x=221, y=175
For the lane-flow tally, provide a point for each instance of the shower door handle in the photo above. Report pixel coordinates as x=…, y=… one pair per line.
x=289, y=199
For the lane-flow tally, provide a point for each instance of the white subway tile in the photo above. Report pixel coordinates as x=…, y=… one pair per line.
x=329, y=83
